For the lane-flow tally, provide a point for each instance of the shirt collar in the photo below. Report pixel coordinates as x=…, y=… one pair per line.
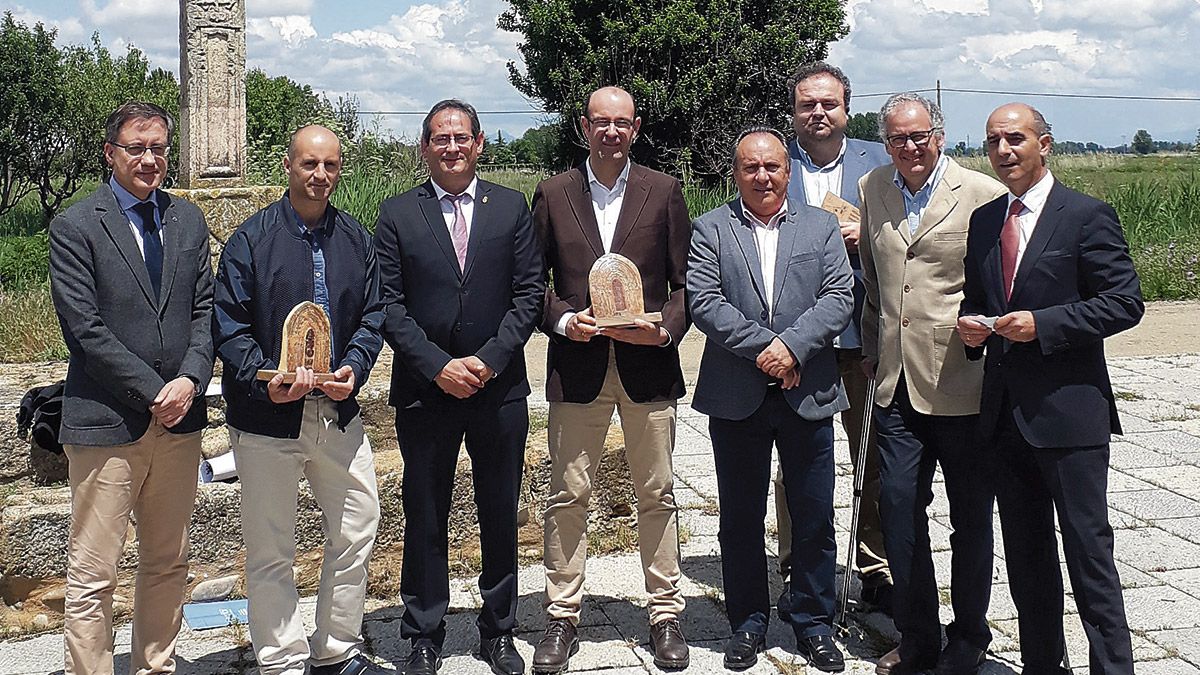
x=472, y=187
x=930, y=182
x=807, y=162
x=622, y=178
x=1035, y=197
x=772, y=223
x=126, y=199
x=327, y=218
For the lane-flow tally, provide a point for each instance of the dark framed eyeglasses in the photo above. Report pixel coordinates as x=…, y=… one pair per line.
x=602, y=123
x=138, y=151
x=919, y=138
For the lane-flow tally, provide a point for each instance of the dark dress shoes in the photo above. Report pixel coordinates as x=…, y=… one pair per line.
x=741, y=652
x=959, y=658
x=424, y=659
x=355, y=665
x=670, y=647
x=822, y=653
x=558, y=644
x=501, y=654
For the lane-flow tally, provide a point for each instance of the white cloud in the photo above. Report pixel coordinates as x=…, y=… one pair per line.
x=269, y=8
x=292, y=29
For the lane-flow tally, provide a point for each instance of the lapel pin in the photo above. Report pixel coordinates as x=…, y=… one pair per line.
x=485, y=199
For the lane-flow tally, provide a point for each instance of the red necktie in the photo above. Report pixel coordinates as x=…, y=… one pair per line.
x=458, y=230
x=1010, y=242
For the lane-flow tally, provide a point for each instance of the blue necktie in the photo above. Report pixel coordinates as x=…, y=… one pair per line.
x=152, y=249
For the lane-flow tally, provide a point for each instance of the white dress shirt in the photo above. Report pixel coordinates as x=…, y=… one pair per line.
x=820, y=180
x=766, y=240
x=1034, y=201
x=467, y=204
x=606, y=203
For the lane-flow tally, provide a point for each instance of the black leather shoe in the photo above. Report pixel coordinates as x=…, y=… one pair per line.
x=501, y=654
x=355, y=665
x=878, y=598
x=821, y=653
x=741, y=652
x=424, y=659
x=669, y=645
x=959, y=658
x=558, y=644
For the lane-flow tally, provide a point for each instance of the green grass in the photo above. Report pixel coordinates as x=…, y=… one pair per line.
x=29, y=329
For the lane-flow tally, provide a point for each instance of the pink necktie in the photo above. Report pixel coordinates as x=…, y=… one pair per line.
x=458, y=232
x=1010, y=242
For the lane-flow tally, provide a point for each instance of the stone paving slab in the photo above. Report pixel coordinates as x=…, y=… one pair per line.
x=1155, y=510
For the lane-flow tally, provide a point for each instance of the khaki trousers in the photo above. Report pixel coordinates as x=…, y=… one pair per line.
x=341, y=473
x=870, y=559
x=576, y=440
x=154, y=479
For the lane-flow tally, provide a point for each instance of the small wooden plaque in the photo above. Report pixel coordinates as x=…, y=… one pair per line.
x=307, y=341
x=616, y=288
x=844, y=210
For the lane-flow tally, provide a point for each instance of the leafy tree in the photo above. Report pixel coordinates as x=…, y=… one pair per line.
x=539, y=146
x=1196, y=145
x=277, y=106
x=700, y=70
x=29, y=101
x=864, y=126
x=1142, y=144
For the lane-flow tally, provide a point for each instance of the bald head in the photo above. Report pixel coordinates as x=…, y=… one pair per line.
x=313, y=165
x=610, y=123
x=608, y=97
x=1018, y=143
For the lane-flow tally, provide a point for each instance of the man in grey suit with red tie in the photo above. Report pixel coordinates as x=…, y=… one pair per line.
x=611, y=205
x=132, y=285
x=1048, y=277
x=824, y=161
x=461, y=276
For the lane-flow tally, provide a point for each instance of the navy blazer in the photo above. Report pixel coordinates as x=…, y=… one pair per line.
x=435, y=312
x=812, y=303
x=125, y=344
x=1077, y=279
x=861, y=158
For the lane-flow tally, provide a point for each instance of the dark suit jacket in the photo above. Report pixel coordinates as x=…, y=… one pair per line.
x=812, y=303
x=125, y=344
x=1077, y=278
x=861, y=157
x=435, y=312
x=652, y=231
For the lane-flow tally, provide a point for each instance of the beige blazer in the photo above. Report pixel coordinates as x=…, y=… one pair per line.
x=914, y=287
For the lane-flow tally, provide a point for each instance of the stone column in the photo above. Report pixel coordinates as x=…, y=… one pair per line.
x=212, y=82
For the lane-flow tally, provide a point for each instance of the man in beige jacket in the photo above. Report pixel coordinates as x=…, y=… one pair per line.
x=915, y=215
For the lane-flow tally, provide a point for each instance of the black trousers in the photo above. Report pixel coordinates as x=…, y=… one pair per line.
x=742, y=453
x=429, y=443
x=1032, y=484
x=911, y=445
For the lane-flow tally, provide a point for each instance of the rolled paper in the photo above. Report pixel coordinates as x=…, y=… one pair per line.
x=219, y=468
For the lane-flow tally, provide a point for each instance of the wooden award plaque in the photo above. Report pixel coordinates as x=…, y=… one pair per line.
x=616, y=287
x=844, y=210
x=307, y=342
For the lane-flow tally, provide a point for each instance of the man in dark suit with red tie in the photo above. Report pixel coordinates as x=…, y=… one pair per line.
x=608, y=204
x=461, y=275
x=1050, y=267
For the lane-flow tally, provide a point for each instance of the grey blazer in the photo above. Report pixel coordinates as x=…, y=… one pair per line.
x=124, y=344
x=813, y=300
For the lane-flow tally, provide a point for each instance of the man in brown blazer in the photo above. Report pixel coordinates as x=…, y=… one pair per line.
x=608, y=204
x=915, y=215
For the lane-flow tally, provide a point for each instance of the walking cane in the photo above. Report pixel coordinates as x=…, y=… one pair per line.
x=860, y=472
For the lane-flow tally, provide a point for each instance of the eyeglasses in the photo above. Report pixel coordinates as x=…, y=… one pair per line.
x=443, y=140
x=620, y=124
x=139, y=151
x=919, y=138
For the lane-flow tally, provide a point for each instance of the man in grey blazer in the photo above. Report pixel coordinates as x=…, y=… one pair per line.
x=130, y=276
x=769, y=284
x=825, y=161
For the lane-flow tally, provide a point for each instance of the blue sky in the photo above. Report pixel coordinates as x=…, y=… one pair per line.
x=399, y=55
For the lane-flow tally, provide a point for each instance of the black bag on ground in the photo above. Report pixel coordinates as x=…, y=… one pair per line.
x=40, y=414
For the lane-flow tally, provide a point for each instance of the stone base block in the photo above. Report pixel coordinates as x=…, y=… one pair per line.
x=226, y=208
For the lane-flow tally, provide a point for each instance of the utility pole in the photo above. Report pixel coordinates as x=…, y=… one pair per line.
x=939, y=93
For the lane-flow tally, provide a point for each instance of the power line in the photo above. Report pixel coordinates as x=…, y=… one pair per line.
x=994, y=92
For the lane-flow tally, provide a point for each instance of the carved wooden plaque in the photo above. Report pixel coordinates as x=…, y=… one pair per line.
x=307, y=341
x=844, y=210
x=616, y=288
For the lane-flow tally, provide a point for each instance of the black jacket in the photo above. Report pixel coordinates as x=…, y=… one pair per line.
x=265, y=270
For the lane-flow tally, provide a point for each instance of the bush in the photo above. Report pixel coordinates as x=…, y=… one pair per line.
x=29, y=328
x=24, y=260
